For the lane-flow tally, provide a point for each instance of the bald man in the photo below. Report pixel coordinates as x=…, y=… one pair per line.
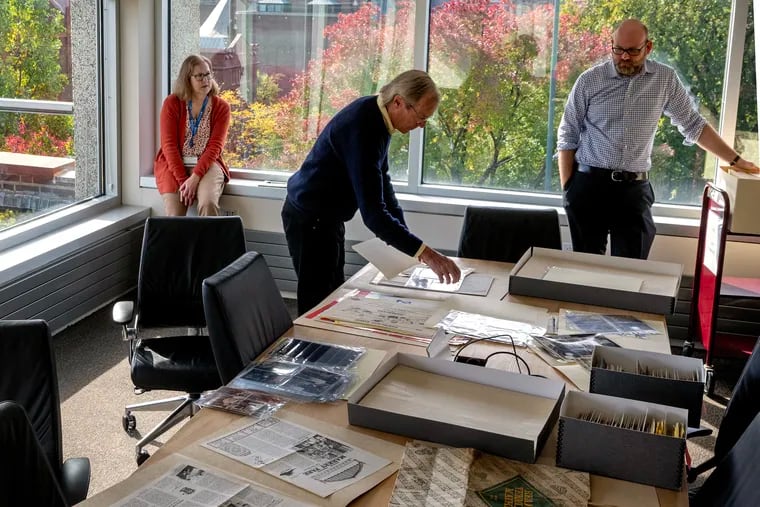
x=605, y=144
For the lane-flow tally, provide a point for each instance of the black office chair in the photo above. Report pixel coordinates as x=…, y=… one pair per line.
x=244, y=312
x=28, y=377
x=26, y=477
x=178, y=253
x=505, y=234
x=740, y=411
x=734, y=482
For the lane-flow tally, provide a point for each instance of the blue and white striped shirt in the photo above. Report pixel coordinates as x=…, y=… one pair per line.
x=610, y=120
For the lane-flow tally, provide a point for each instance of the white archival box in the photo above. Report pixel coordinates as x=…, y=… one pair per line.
x=461, y=405
x=744, y=195
x=601, y=280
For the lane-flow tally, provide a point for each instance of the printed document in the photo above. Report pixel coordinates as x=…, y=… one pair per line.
x=433, y=475
x=197, y=485
x=295, y=454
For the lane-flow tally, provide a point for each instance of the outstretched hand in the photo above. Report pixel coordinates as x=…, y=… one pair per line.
x=445, y=268
x=746, y=166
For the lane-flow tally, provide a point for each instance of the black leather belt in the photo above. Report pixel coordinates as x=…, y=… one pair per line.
x=619, y=176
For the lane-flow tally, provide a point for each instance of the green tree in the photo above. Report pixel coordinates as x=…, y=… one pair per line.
x=690, y=36
x=30, y=45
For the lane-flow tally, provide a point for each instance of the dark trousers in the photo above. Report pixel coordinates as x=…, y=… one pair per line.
x=26, y=477
x=597, y=206
x=317, y=247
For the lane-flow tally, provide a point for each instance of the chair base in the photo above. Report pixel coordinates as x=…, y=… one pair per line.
x=183, y=407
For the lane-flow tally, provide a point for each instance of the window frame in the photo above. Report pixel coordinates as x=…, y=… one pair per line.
x=681, y=219
x=109, y=197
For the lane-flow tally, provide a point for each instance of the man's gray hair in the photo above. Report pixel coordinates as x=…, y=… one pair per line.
x=411, y=85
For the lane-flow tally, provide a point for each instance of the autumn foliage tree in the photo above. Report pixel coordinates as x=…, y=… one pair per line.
x=492, y=62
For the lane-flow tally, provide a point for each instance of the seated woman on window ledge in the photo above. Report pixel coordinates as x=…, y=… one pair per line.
x=194, y=123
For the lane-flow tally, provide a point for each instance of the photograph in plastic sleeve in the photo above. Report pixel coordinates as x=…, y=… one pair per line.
x=573, y=347
x=242, y=401
x=473, y=325
x=585, y=322
x=318, y=354
x=292, y=380
x=270, y=373
x=317, y=383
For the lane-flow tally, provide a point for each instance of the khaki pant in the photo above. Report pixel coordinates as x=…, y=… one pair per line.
x=209, y=192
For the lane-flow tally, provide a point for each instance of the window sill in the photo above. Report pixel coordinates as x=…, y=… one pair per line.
x=69, y=234
x=671, y=220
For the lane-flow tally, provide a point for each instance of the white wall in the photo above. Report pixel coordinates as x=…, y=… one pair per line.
x=139, y=117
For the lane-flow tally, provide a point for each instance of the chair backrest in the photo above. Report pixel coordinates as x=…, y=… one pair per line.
x=28, y=376
x=734, y=480
x=708, y=271
x=505, y=234
x=26, y=476
x=178, y=253
x=244, y=313
x=743, y=406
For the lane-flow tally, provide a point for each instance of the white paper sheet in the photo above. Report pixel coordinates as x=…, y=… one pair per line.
x=385, y=258
x=593, y=279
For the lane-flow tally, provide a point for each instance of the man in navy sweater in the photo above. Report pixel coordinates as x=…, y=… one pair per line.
x=346, y=170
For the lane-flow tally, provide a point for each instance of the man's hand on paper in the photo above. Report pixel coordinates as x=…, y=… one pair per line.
x=445, y=268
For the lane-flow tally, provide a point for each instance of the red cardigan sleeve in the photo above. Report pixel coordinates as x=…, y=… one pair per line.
x=220, y=123
x=172, y=123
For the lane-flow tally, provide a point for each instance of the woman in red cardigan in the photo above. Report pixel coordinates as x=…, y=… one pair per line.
x=194, y=123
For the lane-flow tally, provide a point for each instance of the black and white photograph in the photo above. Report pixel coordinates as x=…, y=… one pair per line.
x=318, y=354
x=573, y=347
x=584, y=322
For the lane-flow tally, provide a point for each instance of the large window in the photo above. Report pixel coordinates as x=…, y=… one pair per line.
x=504, y=69
x=50, y=147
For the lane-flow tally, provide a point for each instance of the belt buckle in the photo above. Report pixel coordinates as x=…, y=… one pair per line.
x=617, y=176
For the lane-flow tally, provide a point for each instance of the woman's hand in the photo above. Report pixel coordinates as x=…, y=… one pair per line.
x=445, y=268
x=188, y=190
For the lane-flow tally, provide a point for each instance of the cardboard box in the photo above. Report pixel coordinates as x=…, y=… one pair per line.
x=627, y=454
x=629, y=383
x=602, y=280
x=460, y=405
x=744, y=195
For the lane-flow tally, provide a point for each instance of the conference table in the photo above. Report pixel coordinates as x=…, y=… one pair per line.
x=209, y=422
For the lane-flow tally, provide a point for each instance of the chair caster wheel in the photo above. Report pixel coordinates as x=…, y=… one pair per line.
x=141, y=457
x=129, y=423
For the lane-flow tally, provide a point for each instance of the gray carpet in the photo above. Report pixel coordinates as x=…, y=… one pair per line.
x=95, y=386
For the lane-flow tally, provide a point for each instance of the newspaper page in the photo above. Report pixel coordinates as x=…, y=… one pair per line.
x=195, y=485
x=433, y=475
x=298, y=455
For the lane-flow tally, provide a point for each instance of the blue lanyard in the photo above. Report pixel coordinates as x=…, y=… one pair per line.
x=194, y=122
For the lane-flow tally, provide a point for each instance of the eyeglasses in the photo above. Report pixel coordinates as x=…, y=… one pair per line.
x=420, y=118
x=631, y=51
x=203, y=77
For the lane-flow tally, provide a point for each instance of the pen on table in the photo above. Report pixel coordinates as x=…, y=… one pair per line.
x=505, y=295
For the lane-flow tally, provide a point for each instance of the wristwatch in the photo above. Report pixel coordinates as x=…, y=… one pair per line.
x=735, y=160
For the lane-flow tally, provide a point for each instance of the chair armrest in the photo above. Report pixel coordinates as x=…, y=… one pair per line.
x=698, y=432
x=75, y=479
x=122, y=312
